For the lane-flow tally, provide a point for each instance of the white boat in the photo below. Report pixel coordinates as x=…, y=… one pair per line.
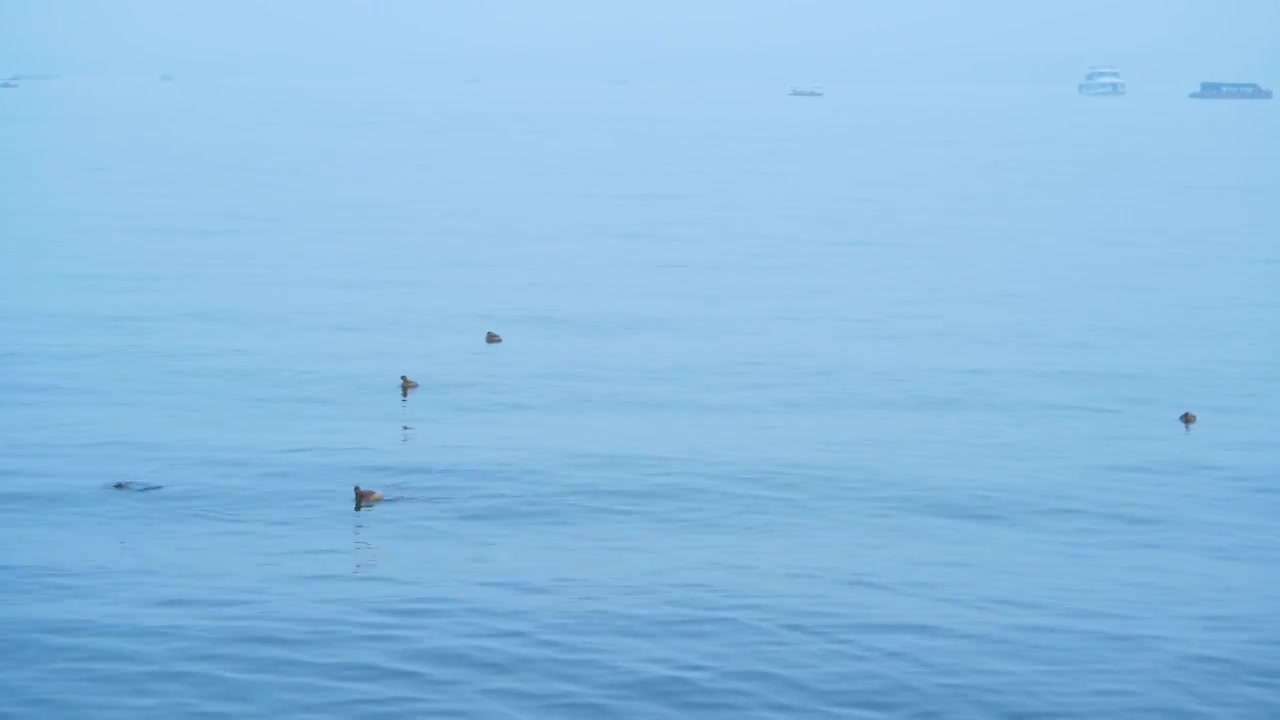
x=1102, y=80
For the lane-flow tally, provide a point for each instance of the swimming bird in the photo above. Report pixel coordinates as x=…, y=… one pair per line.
x=131, y=485
x=406, y=383
x=367, y=496
x=492, y=338
x=1187, y=418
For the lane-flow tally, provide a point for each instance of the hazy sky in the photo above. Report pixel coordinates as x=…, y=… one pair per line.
x=731, y=40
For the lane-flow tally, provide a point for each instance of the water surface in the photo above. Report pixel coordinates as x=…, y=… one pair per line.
x=853, y=407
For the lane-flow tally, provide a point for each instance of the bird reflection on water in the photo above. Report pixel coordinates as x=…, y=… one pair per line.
x=362, y=551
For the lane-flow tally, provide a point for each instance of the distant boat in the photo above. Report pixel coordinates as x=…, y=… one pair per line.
x=7, y=84
x=1231, y=91
x=805, y=92
x=1102, y=81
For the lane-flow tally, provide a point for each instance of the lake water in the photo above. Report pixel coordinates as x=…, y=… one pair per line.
x=854, y=407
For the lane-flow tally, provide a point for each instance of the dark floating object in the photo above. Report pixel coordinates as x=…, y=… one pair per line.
x=1187, y=418
x=8, y=84
x=492, y=338
x=805, y=92
x=406, y=383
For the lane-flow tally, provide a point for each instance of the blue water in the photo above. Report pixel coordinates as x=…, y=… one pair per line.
x=857, y=407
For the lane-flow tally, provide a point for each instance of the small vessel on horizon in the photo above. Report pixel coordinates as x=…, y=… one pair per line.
x=1103, y=81
x=8, y=84
x=1231, y=91
x=806, y=92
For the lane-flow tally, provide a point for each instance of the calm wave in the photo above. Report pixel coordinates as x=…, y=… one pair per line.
x=806, y=409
